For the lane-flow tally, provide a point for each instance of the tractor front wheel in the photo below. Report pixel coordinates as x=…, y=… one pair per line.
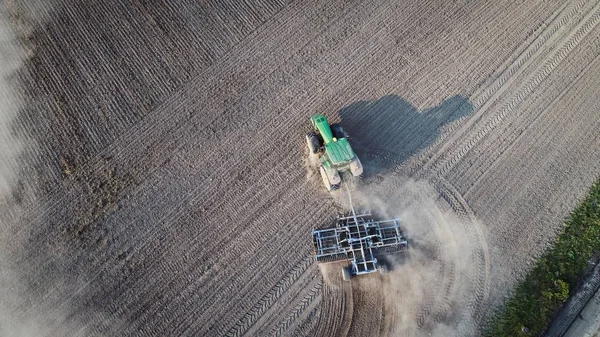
x=338, y=131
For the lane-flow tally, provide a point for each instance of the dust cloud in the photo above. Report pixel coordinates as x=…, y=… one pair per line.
x=311, y=162
x=15, y=26
x=10, y=146
x=434, y=289
x=19, y=316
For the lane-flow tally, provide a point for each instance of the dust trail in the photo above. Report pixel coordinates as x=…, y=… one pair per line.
x=16, y=25
x=311, y=164
x=10, y=149
x=429, y=290
x=10, y=145
x=20, y=315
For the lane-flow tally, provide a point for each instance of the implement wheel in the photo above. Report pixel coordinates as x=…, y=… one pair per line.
x=346, y=274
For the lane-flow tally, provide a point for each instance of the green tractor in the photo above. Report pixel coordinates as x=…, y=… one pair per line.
x=330, y=144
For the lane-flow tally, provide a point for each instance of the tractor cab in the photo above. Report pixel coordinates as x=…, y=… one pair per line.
x=330, y=143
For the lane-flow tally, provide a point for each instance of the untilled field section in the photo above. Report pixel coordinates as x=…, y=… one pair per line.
x=164, y=189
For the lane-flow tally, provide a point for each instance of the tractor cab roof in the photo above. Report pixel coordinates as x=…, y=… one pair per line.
x=339, y=151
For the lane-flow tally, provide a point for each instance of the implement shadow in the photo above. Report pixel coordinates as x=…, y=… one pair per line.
x=394, y=129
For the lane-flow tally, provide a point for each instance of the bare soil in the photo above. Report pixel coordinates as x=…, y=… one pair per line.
x=160, y=186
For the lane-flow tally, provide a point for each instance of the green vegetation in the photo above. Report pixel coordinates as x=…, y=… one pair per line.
x=537, y=299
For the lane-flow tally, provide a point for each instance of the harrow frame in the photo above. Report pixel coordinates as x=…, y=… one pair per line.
x=359, y=238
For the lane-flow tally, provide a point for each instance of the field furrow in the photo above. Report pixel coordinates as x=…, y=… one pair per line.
x=162, y=187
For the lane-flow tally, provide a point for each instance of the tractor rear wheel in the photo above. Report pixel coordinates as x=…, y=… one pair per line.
x=346, y=274
x=313, y=142
x=328, y=185
x=356, y=167
x=338, y=131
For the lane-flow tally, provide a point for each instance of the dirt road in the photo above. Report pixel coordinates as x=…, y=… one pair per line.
x=163, y=190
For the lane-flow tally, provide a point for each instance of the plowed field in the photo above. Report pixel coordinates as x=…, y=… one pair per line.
x=155, y=180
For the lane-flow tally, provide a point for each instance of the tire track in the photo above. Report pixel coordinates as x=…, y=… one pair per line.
x=283, y=326
x=267, y=301
x=367, y=295
x=481, y=259
x=337, y=307
x=306, y=323
x=434, y=310
x=487, y=96
x=386, y=73
x=442, y=166
x=441, y=301
x=529, y=123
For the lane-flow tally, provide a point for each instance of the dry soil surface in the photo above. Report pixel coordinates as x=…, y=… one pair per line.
x=155, y=182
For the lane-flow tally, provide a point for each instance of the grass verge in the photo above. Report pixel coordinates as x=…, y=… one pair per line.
x=555, y=275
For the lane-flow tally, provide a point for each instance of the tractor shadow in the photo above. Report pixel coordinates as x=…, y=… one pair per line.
x=388, y=131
